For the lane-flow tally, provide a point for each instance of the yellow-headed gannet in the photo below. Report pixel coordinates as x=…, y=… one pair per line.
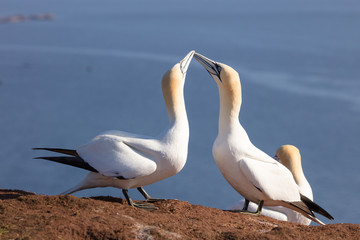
x=290, y=157
x=124, y=160
x=251, y=172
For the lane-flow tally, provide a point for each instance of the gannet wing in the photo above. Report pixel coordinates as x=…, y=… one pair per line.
x=273, y=179
x=143, y=144
x=113, y=157
x=124, y=134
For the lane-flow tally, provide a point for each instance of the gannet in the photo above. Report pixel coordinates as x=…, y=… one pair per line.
x=251, y=172
x=290, y=157
x=125, y=160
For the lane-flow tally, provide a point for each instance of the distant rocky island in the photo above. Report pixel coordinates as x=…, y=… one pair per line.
x=23, y=18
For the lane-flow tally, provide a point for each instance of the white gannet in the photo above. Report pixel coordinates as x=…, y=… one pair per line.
x=124, y=160
x=251, y=172
x=290, y=157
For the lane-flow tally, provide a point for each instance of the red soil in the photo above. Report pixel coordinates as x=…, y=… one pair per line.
x=25, y=215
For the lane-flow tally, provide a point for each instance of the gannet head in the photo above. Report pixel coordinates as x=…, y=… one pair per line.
x=173, y=81
x=226, y=78
x=290, y=157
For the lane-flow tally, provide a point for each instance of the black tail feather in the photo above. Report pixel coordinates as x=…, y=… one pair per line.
x=316, y=208
x=303, y=207
x=72, y=161
x=60, y=150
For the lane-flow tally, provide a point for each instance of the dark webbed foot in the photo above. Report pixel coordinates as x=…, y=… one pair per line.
x=245, y=211
x=152, y=200
x=145, y=206
x=147, y=196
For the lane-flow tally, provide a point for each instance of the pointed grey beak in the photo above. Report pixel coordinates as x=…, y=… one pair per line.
x=184, y=64
x=211, y=66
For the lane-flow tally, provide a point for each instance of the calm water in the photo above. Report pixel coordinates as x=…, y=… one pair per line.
x=97, y=66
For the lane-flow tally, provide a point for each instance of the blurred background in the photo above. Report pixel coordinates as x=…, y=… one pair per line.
x=70, y=70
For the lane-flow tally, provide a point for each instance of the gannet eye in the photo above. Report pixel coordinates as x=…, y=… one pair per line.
x=218, y=68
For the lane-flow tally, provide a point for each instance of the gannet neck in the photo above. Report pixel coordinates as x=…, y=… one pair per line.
x=179, y=126
x=228, y=118
x=172, y=85
x=176, y=138
x=230, y=99
x=290, y=157
x=173, y=91
x=228, y=82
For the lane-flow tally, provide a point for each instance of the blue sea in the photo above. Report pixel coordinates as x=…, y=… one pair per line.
x=97, y=66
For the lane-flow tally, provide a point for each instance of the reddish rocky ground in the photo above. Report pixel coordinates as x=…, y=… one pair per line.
x=25, y=215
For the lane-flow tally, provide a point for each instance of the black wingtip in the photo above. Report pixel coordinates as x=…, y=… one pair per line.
x=72, y=161
x=315, y=207
x=302, y=207
x=70, y=152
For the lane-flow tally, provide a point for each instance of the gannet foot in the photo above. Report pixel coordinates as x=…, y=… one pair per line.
x=151, y=200
x=145, y=206
x=147, y=196
x=245, y=211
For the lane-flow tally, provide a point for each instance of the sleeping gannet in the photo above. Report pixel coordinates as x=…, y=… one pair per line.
x=251, y=172
x=124, y=160
x=290, y=157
